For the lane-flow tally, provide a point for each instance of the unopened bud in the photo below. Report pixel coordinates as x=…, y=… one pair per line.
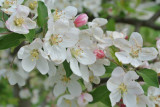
x=99, y=54
x=81, y=20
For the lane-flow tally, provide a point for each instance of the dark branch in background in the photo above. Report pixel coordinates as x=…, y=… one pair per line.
x=136, y=22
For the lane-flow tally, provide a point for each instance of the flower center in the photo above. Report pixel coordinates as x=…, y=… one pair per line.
x=68, y=102
x=35, y=54
x=65, y=79
x=6, y=4
x=55, y=39
x=56, y=15
x=123, y=88
x=33, y=5
x=76, y=52
x=19, y=21
x=134, y=53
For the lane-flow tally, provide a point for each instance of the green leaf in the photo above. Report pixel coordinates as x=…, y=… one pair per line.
x=113, y=50
x=101, y=93
x=42, y=14
x=83, y=27
x=10, y=40
x=109, y=70
x=111, y=25
x=149, y=76
x=145, y=88
x=3, y=30
x=31, y=35
x=67, y=68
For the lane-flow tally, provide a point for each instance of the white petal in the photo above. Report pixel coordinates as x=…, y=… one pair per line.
x=36, y=44
x=75, y=67
x=118, y=72
x=42, y=65
x=87, y=57
x=29, y=24
x=134, y=88
x=88, y=97
x=148, y=54
x=130, y=76
x=70, y=38
x=113, y=83
x=70, y=12
x=23, y=52
x=98, y=69
x=136, y=62
x=61, y=26
x=129, y=100
x=100, y=21
x=115, y=97
x=27, y=64
x=123, y=44
x=23, y=10
x=58, y=54
x=59, y=89
x=74, y=88
x=136, y=40
x=52, y=68
x=84, y=72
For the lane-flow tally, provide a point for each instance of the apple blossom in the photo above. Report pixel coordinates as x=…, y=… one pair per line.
x=123, y=85
x=19, y=22
x=132, y=51
x=33, y=56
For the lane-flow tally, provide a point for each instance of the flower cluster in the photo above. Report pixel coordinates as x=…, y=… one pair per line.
x=74, y=59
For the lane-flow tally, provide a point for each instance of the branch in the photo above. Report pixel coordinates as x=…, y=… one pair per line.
x=154, y=17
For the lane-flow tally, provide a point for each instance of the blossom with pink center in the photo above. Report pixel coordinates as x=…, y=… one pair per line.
x=81, y=20
x=99, y=54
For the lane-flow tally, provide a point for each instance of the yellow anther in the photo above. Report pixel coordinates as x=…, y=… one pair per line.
x=35, y=54
x=134, y=53
x=19, y=21
x=76, y=52
x=32, y=5
x=55, y=40
x=123, y=88
x=68, y=102
x=65, y=79
x=56, y=15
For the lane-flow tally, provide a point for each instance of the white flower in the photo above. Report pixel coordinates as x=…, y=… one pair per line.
x=80, y=53
x=155, y=66
x=143, y=101
x=9, y=6
x=24, y=93
x=84, y=99
x=154, y=96
x=62, y=82
x=33, y=5
x=123, y=85
x=67, y=101
x=55, y=44
x=32, y=55
x=19, y=22
x=132, y=51
x=94, y=6
x=59, y=21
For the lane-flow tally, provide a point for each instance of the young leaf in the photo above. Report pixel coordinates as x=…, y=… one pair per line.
x=30, y=36
x=149, y=76
x=42, y=14
x=101, y=93
x=111, y=25
x=10, y=40
x=67, y=68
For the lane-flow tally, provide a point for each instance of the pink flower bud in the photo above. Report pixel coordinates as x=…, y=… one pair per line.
x=81, y=20
x=99, y=53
